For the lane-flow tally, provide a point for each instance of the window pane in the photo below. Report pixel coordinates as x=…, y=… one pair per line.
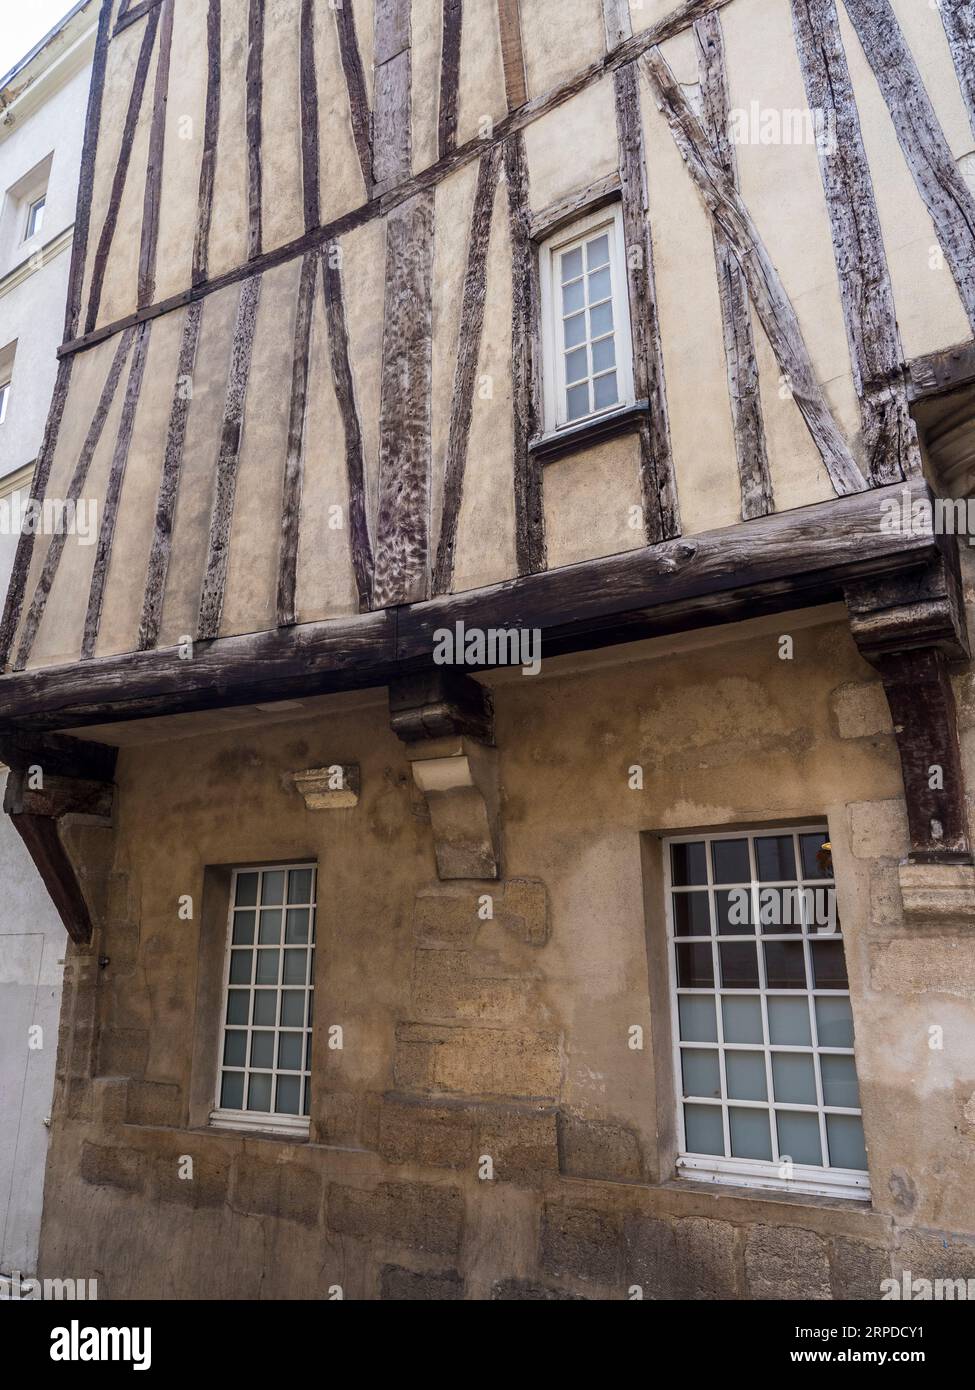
x=267, y=967
x=272, y=887
x=695, y=967
x=573, y=297
x=601, y=319
x=295, y=967
x=834, y=1021
x=799, y=1136
x=688, y=865
x=575, y=330
x=697, y=1020
x=734, y=910
x=599, y=285
x=692, y=915
x=604, y=354
x=289, y=1051
x=270, y=933
x=288, y=1100
x=293, y=1008
x=237, y=1003
x=793, y=1078
x=775, y=857
x=259, y=1091
x=232, y=1090
x=262, y=1049
x=576, y=365
x=597, y=251
x=299, y=885
x=265, y=1007
x=243, y=929
x=240, y=967
x=577, y=402
x=739, y=965
x=829, y=966
x=779, y=911
x=839, y=1081
x=817, y=860
x=571, y=263
x=844, y=1135
x=296, y=928
x=729, y=859
x=246, y=890
x=605, y=391
x=745, y=1074
x=785, y=965
x=703, y=1131
x=700, y=1072
x=741, y=1019
x=788, y=1021
x=234, y=1048
x=750, y=1136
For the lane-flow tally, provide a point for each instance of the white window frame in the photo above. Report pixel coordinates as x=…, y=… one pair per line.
x=263, y=1121
x=610, y=219
x=4, y=398
x=38, y=204
x=853, y=1183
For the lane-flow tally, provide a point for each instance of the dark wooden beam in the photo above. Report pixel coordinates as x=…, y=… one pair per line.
x=294, y=458
x=940, y=372
x=465, y=372
x=208, y=161
x=86, y=179
x=525, y=359
x=512, y=53
x=254, y=111
x=772, y=303
x=309, y=116
x=889, y=442
x=617, y=23
x=440, y=703
x=152, y=197
x=130, y=13
x=736, y=316
x=355, y=81
x=392, y=124
x=453, y=18
x=774, y=564
x=959, y=21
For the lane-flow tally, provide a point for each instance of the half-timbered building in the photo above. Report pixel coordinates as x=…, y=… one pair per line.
x=525, y=623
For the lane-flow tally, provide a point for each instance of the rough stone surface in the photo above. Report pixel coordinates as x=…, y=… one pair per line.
x=598, y=1149
x=785, y=1262
x=942, y=965
x=477, y=1061
x=581, y=1243
x=105, y=1166
x=693, y=1258
x=861, y=710
x=856, y=1269
x=879, y=829
x=397, y=1284
x=933, y=1255
x=277, y=1189
x=524, y=1291
x=417, y=1215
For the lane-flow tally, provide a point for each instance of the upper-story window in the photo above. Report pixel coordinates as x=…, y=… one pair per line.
x=586, y=345
x=6, y=376
x=35, y=217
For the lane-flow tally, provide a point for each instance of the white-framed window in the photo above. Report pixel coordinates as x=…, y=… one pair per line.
x=264, y=1071
x=4, y=396
x=763, y=1029
x=586, y=346
x=35, y=217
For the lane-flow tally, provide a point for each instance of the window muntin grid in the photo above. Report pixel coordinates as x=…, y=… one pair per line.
x=763, y=1030
x=268, y=998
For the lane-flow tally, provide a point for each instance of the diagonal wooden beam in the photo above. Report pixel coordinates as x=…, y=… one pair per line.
x=936, y=176
x=100, y=263
x=254, y=121
x=771, y=302
x=890, y=445
x=453, y=18
x=355, y=81
x=959, y=21
x=465, y=371
x=154, y=163
x=739, y=339
x=294, y=459
x=228, y=457
x=113, y=492
x=162, y=535
x=344, y=386
x=78, y=479
x=86, y=179
x=309, y=116
x=658, y=484
x=208, y=162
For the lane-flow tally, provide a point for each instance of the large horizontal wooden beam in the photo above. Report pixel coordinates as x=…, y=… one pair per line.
x=772, y=564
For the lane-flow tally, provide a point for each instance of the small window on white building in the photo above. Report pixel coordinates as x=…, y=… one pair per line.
x=265, y=1041
x=35, y=217
x=763, y=1030
x=4, y=395
x=586, y=345
x=7, y=355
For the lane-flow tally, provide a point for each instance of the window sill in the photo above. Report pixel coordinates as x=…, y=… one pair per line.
x=546, y=447
x=251, y=1122
x=808, y=1182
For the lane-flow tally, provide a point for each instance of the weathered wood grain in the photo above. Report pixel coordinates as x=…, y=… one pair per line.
x=736, y=318
x=131, y=14
x=467, y=153
x=86, y=176
x=355, y=81
x=208, y=162
x=157, y=569
x=255, y=123
x=566, y=209
x=342, y=381
x=794, y=559
x=661, y=510
x=228, y=456
x=616, y=22
x=392, y=147
x=465, y=372
x=937, y=177
x=100, y=263
x=38, y=488
x=768, y=294
x=113, y=492
x=512, y=53
x=453, y=18
x=309, y=116
x=78, y=479
x=959, y=21
x=402, y=572
x=938, y=372
x=154, y=164
x=525, y=359
x=889, y=437
x=294, y=458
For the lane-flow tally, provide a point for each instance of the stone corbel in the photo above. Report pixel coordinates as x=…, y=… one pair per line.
x=56, y=788
x=910, y=628
x=446, y=721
